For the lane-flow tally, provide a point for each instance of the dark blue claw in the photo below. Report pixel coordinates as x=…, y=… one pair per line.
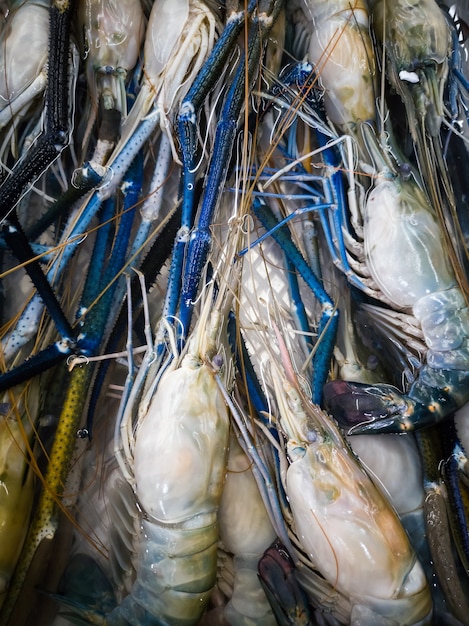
x=17, y=241
x=287, y=599
x=190, y=106
x=57, y=126
x=187, y=124
x=357, y=404
x=51, y=356
x=93, y=327
x=361, y=408
x=224, y=139
x=151, y=266
x=44, y=151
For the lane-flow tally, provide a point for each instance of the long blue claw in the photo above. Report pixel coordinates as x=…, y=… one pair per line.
x=200, y=242
x=333, y=210
x=92, y=330
x=190, y=106
x=37, y=364
x=87, y=178
x=150, y=268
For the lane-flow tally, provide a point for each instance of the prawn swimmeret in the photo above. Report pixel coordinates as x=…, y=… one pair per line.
x=265, y=185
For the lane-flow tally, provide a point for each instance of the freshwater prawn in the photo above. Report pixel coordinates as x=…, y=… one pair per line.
x=335, y=38
x=397, y=208
x=23, y=67
x=322, y=480
x=159, y=498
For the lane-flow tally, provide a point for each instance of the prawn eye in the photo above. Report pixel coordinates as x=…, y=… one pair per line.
x=217, y=362
x=405, y=171
x=311, y=436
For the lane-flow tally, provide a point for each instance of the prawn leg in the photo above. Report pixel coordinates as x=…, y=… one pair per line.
x=60, y=350
x=200, y=240
x=45, y=150
x=191, y=104
x=328, y=323
x=44, y=523
x=336, y=152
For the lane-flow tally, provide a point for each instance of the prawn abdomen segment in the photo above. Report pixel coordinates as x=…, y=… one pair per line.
x=444, y=318
x=181, y=446
x=176, y=573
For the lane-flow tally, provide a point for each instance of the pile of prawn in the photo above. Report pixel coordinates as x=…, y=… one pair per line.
x=286, y=446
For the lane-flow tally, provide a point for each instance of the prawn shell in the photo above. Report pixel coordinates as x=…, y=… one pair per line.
x=415, y=31
x=412, y=263
x=342, y=51
x=181, y=446
x=322, y=501
x=23, y=56
x=395, y=462
x=445, y=323
x=113, y=32
x=168, y=20
x=241, y=501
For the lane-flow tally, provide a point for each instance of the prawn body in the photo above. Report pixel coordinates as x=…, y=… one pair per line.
x=343, y=520
x=429, y=290
x=341, y=50
x=20, y=64
x=377, y=538
x=179, y=469
x=411, y=274
x=418, y=44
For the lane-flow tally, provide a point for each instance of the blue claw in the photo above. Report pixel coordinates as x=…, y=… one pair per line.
x=333, y=210
x=93, y=327
x=360, y=408
x=200, y=241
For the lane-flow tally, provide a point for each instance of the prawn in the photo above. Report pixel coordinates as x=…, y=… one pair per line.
x=322, y=478
x=245, y=532
x=397, y=209
x=341, y=51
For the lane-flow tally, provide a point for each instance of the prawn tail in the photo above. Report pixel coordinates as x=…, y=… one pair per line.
x=361, y=408
x=86, y=594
